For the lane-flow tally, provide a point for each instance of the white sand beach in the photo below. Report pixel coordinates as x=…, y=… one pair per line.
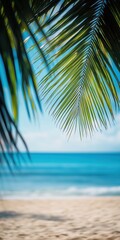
x=65, y=219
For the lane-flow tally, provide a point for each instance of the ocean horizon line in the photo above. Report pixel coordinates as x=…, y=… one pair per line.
x=37, y=152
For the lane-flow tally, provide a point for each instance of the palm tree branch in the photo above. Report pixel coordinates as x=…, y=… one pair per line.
x=82, y=38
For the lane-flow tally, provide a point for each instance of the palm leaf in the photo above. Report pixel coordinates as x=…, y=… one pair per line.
x=82, y=89
x=19, y=20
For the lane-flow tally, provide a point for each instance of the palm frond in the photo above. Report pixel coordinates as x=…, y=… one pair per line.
x=19, y=20
x=82, y=89
x=9, y=132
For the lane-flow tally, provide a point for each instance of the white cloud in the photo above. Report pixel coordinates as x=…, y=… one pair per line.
x=50, y=139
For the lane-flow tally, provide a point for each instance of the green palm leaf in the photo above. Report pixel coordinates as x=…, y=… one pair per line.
x=82, y=89
x=19, y=20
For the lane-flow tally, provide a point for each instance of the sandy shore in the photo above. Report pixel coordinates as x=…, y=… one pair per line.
x=80, y=219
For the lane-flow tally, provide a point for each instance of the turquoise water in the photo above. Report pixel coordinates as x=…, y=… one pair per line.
x=62, y=175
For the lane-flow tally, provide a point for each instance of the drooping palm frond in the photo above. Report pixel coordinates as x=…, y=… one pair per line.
x=8, y=131
x=19, y=21
x=83, y=88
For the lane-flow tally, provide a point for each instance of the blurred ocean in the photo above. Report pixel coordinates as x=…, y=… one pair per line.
x=55, y=175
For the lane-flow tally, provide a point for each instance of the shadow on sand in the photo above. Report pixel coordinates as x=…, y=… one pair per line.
x=13, y=214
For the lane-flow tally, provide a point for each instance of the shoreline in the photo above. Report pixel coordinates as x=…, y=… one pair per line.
x=62, y=198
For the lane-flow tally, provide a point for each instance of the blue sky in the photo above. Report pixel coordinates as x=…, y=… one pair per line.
x=43, y=136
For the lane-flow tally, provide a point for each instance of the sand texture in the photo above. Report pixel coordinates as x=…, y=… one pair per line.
x=80, y=219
